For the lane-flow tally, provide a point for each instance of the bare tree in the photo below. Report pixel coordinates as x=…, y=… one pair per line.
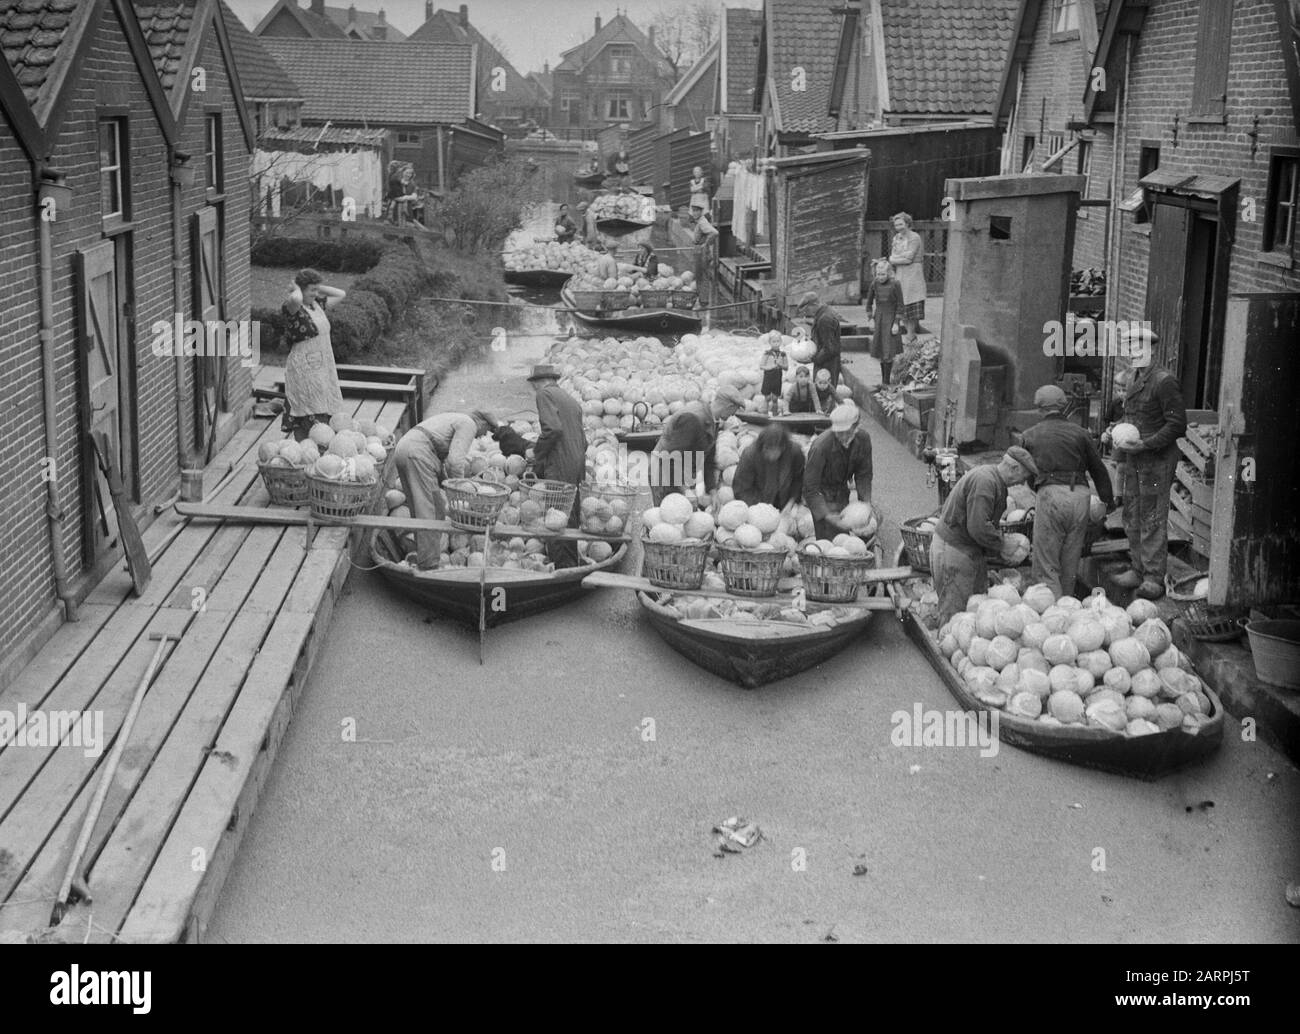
x=684, y=29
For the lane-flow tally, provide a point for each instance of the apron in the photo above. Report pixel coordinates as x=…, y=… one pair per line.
x=311, y=380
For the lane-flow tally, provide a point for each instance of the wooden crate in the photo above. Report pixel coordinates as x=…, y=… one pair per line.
x=1201, y=490
x=918, y=403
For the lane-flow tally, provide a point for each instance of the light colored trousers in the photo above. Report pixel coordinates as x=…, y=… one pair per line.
x=1060, y=528
x=421, y=471
x=958, y=575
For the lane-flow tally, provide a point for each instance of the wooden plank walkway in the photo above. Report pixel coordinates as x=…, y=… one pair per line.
x=250, y=604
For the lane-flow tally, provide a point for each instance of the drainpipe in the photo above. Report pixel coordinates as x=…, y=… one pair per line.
x=54, y=512
x=175, y=160
x=1113, y=227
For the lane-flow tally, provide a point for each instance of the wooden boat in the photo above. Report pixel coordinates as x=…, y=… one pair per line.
x=537, y=277
x=640, y=441
x=660, y=320
x=589, y=179
x=457, y=591
x=615, y=224
x=751, y=653
x=798, y=423
x=1147, y=757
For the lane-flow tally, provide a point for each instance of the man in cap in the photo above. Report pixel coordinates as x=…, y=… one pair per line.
x=836, y=457
x=561, y=450
x=1066, y=457
x=435, y=448
x=706, y=253
x=689, y=440
x=825, y=335
x=968, y=525
x=1154, y=405
x=565, y=228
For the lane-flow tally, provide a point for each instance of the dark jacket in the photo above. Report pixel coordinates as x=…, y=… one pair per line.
x=829, y=469
x=693, y=431
x=975, y=505
x=1066, y=454
x=561, y=450
x=570, y=228
x=1154, y=404
x=758, y=481
x=826, y=336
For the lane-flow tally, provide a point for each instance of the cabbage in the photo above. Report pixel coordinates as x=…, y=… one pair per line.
x=1095, y=662
x=1010, y=622
x=1009, y=677
x=1065, y=706
x=1145, y=683
x=1105, y=694
x=1107, y=714
x=1056, y=620
x=1141, y=727
x=1086, y=632
x=963, y=630
x=993, y=697
x=1174, y=682
x=1029, y=705
x=1141, y=610
x=1130, y=655
x=1154, y=635
x=1085, y=682
x=973, y=604
x=1062, y=677
x=1117, y=679
x=1039, y=597
x=1035, y=635
x=962, y=663
x=1034, y=681
x=1060, y=649
x=1168, y=715
x=945, y=628
x=1069, y=603
x=986, y=617
x=1028, y=616
x=1032, y=659
x=1001, y=652
x=1140, y=707
x=1115, y=626
x=979, y=650
x=1004, y=592
x=1168, y=659
x=981, y=677
x=1190, y=703
x=1047, y=719
x=948, y=645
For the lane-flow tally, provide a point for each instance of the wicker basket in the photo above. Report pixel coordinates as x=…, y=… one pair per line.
x=287, y=486
x=587, y=299
x=1023, y=527
x=548, y=494
x=684, y=299
x=340, y=500
x=610, y=492
x=473, y=504
x=655, y=299
x=674, y=565
x=830, y=579
x=750, y=573
x=917, y=543
x=1212, y=624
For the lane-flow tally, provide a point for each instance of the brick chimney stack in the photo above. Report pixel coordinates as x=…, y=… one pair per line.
x=380, y=31
x=598, y=23
x=318, y=7
x=651, y=34
x=428, y=10
x=464, y=16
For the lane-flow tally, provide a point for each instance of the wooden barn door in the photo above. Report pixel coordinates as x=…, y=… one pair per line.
x=209, y=371
x=1167, y=279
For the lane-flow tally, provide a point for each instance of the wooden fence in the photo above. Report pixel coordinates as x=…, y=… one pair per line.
x=934, y=248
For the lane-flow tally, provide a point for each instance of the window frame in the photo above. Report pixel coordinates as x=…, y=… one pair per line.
x=1202, y=108
x=214, y=153
x=399, y=142
x=1276, y=158
x=625, y=99
x=119, y=119
x=1028, y=147
x=1143, y=215
x=1070, y=32
x=622, y=57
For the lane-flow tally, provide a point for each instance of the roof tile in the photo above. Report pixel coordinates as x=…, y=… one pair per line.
x=743, y=27
x=445, y=27
x=259, y=74
x=802, y=34
x=31, y=32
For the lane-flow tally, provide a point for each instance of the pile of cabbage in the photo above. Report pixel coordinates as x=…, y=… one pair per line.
x=571, y=257
x=1076, y=663
x=700, y=608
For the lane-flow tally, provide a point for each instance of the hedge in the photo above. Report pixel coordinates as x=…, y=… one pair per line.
x=349, y=255
x=376, y=301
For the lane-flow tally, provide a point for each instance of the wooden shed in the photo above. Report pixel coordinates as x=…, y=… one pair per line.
x=817, y=203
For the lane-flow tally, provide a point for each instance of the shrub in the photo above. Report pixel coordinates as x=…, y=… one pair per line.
x=349, y=255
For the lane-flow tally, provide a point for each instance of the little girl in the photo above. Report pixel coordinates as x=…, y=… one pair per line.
x=886, y=295
x=774, y=361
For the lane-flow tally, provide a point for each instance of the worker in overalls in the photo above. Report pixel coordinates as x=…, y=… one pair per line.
x=1066, y=457
x=706, y=254
x=1154, y=405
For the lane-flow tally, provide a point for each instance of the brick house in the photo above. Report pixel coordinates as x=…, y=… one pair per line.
x=505, y=98
x=736, y=125
x=122, y=205
x=273, y=99
x=617, y=77
x=318, y=21
x=425, y=99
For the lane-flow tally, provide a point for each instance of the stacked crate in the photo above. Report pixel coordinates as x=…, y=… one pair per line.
x=1192, y=496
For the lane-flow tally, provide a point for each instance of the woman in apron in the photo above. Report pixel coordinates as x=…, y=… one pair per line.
x=906, y=257
x=311, y=380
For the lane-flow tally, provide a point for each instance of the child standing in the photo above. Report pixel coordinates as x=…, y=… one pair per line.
x=773, y=363
x=802, y=398
x=884, y=307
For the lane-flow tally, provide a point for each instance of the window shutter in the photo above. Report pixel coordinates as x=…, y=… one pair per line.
x=1213, y=41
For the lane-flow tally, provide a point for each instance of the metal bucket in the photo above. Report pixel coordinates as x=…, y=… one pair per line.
x=1275, y=645
x=192, y=485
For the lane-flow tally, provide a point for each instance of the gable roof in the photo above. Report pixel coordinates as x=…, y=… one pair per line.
x=445, y=27
x=738, y=62
x=1121, y=19
x=259, y=73
x=364, y=22
x=1022, y=41
x=946, y=57
x=312, y=25
x=374, y=83
x=798, y=34
x=619, y=29
x=706, y=65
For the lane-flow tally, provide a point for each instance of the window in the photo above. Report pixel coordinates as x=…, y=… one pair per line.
x=569, y=99
x=1065, y=18
x=618, y=106
x=1027, y=154
x=1148, y=162
x=213, y=162
x=112, y=168
x=1000, y=227
x=1052, y=143
x=1083, y=165
x=408, y=140
x=620, y=61
x=1213, y=40
x=1280, y=216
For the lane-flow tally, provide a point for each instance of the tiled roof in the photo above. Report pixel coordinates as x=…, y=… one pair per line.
x=260, y=75
x=619, y=29
x=802, y=34
x=378, y=83
x=743, y=27
x=445, y=27
x=365, y=21
x=544, y=82
x=30, y=34
x=946, y=56
x=166, y=26
x=312, y=26
x=315, y=136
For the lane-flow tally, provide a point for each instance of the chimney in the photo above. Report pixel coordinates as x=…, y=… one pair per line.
x=598, y=23
x=318, y=7
x=651, y=34
x=352, y=13
x=464, y=16
x=428, y=10
x=546, y=68
x=380, y=31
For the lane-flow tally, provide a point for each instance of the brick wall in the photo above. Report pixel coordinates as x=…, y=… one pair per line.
x=1161, y=85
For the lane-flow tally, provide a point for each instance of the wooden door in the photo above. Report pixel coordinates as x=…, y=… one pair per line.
x=1253, y=554
x=102, y=380
x=206, y=269
x=1167, y=279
